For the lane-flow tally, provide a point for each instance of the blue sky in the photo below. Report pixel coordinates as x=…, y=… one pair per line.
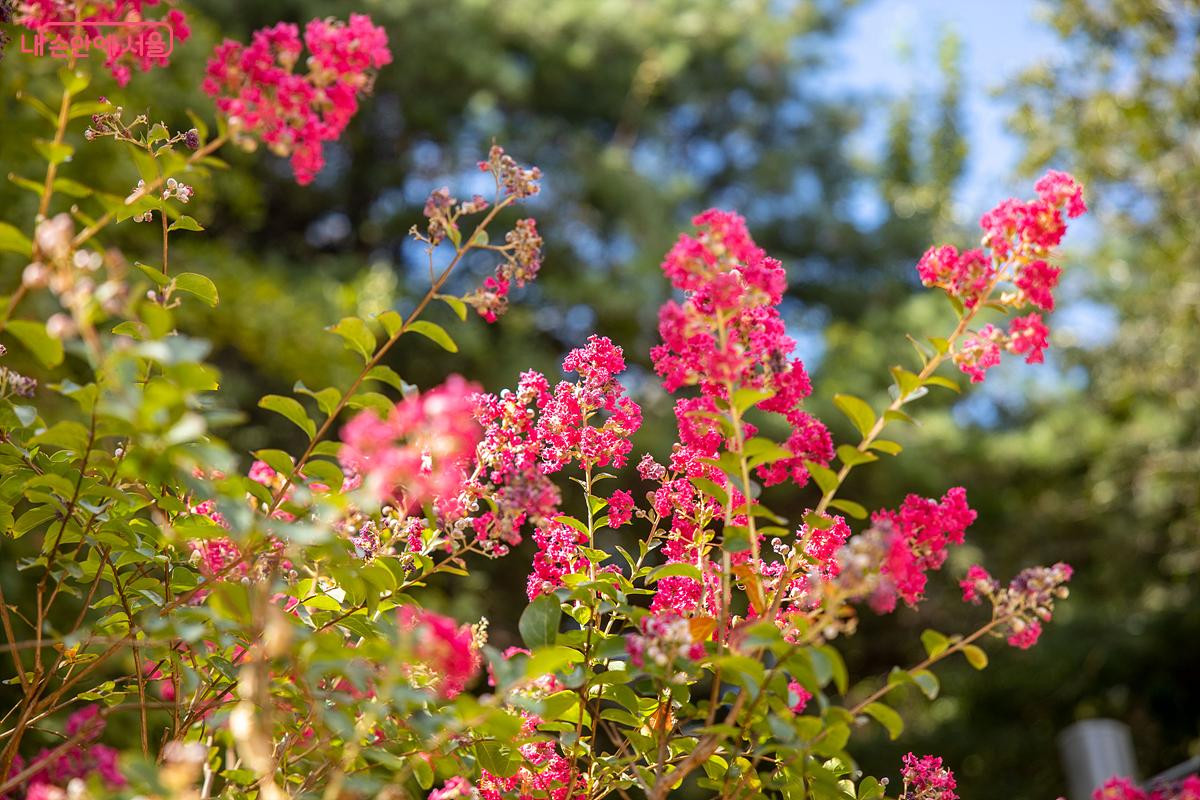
x=891, y=47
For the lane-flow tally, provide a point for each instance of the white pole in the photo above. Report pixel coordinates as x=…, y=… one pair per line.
x=1093, y=751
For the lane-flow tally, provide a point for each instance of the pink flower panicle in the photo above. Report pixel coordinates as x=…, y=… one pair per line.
x=448, y=652
x=558, y=555
x=664, y=639
x=1026, y=603
x=419, y=453
x=968, y=276
x=455, y=788
x=728, y=332
x=565, y=428
x=926, y=779
x=508, y=473
x=919, y=533
x=51, y=771
x=1017, y=243
x=522, y=247
x=54, y=18
x=801, y=695
x=257, y=88
x=620, y=508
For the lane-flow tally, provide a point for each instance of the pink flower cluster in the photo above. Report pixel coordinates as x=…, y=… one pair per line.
x=257, y=89
x=727, y=334
x=565, y=426
x=801, y=697
x=534, y=432
x=509, y=460
x=445, y=649
x=108, y=21
x=419, y=453
x=663, y=639
x=919, y=533
x=816, y=549
x=1018, y=237
x=52, y=772
x=926, y=779
x=558, y=555
x=678, y=500
x=1125, y=789
x=522, y=248
x=1027, y=336
x=545, y=773
x=1024, y=604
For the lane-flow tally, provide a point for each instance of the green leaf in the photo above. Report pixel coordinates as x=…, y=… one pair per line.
x=291, y=409
x=277, y=460
x=977, y=657
x=745, y=398
x=546, y=660
x=33, y=335
x=927, y=682
x=859, y=412
x=887, y=717
x=825, y=478
x=887, y=446
x=381, y=404
x=869, y=789
x=391, y=322
x=74, y=80
x=185, y=223
x=153, y=273
x=385, y=374
x=53, y=152
x=935, y=643
x=437, y=333
x=945, y=383
x=325, y=472
x=898, y=416
x=675, y=569
x=14, y=241
x=327, y=399
x=851, y=455
x=906, y=381
x=496, y=758
x=459, y=307
x=199, y=285
x=711, y=489
x=540, y=620
x=852, y=508
x=942, y=346
x=71, y=188
x=837, y=666
x=357, y=336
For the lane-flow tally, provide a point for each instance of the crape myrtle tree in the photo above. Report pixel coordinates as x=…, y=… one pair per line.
x=181, y=627
x=695, y=103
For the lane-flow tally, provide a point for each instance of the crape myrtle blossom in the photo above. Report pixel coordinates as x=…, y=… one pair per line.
x=1118, y=788
x=1019, y=237
x=728, y=333
x=448, y=654
x=1024, y=604
x=521, y=250
x=920, y=532
x=891, y=559
x=99, y=18
x=926, y=779
x=420, y=452
x=663, y=639
x=535, y=432
x=86, y=759
x=265, y=99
